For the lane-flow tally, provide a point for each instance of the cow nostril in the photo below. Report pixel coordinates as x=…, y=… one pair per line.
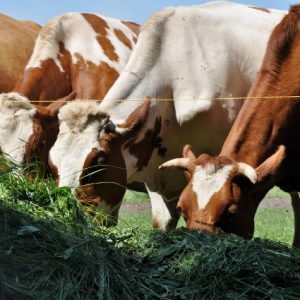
x=102, y=152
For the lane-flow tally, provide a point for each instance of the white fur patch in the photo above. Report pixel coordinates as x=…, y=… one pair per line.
x=207, y=181
x=16, y=125
x=160, y=213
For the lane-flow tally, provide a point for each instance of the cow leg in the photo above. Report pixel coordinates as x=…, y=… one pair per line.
x=164, y=213
x=296, y=209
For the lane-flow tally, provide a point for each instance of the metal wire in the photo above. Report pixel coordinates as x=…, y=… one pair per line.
x=174, y=100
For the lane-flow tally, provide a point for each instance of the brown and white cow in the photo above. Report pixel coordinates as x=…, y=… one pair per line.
x=76, y=52
x=16, y=44
x=184, y=58
x=261, y=150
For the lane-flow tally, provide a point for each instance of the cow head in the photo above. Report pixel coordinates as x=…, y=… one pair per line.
x=223, y=194
x=87, y=154
x=26, y=131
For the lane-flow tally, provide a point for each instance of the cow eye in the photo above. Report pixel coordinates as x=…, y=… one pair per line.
x=230, y=211
x=101, y=158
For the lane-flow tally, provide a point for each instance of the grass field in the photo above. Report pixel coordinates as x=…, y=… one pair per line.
x=272, y=224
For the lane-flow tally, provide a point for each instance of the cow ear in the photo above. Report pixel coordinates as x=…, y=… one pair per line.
x=136, y=119
x=187, y=152
x=51, y=111
x=55, y=106
x=270, y=168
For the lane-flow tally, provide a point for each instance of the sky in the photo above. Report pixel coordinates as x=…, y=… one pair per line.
x=134, y=10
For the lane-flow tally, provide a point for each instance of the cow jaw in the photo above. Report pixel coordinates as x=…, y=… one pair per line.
x=16, y=125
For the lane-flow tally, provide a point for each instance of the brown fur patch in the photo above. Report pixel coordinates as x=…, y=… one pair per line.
x=113, y=180
x=134, y=27
x=143, y=150
x=280, y=42
x=138, y=117
x=100, y=27
x=45, y=130
x=98, y=24
x=261, y=9
x=47, y=82
x=122, y=37
x=108, y=48
x=91, y=81
x=17, y=41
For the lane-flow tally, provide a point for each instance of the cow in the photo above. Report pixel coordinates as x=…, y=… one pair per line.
x=261, y=150
x=101, y=148
x=78, y=54
x=16, y=44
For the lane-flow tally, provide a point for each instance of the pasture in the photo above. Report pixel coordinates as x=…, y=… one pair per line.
x=51, y=248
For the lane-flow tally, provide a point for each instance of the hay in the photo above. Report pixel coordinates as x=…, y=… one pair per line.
x=49, y=249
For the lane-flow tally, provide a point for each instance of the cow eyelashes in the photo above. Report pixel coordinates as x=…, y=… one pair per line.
x=109, y=127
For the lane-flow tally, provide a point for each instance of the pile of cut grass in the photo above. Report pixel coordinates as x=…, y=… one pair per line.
x=50, y=249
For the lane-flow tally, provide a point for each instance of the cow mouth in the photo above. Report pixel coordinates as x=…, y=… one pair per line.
x=90, y=201
x=206, y=227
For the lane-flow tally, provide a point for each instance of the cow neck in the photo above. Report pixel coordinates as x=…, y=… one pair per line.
x=259, y=130
x=264, y=124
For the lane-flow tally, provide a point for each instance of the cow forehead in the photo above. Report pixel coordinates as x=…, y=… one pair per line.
x=78, y=115
x=14, y=134
x=70, y=151
x=12, y=102
x=207, y=180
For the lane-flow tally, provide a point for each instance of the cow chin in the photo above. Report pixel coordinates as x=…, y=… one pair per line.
x=105, y=197
x=243, y=226
x=207, y=228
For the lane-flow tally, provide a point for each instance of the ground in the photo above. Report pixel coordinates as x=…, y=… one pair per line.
x=268, y=202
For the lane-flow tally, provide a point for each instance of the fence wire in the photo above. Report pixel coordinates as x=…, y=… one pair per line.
x=171, y=99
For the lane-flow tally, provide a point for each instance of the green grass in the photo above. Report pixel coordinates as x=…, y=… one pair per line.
x=271, y=224
x=277, y=193
x=275, y=224
x=51, y=249
x=132, y=196
x=140, y=220
x=135, y=197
